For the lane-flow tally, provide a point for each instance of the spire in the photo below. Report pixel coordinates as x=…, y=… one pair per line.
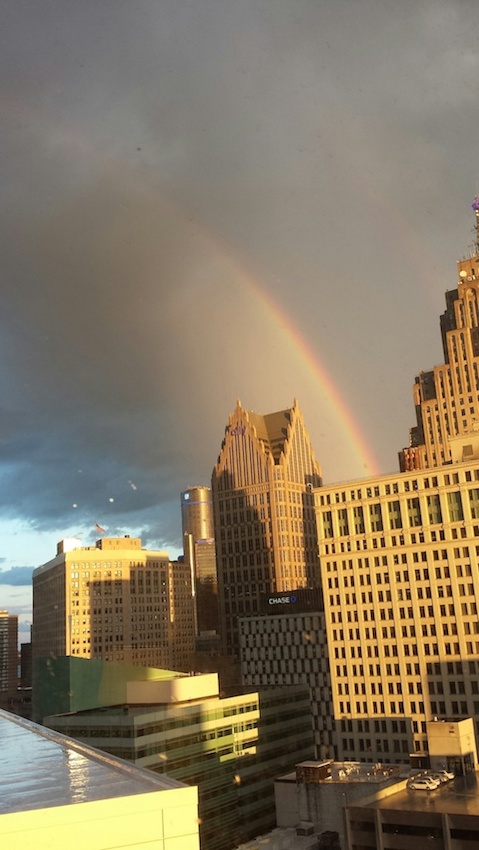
x=475, y=207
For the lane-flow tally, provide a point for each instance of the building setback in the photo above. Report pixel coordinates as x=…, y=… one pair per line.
x=400, y=564
x=446, y=398
x=114, y=601
x=263, y=512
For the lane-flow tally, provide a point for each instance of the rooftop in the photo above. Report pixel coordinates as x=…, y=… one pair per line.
x=42, y=769
x=461, y=797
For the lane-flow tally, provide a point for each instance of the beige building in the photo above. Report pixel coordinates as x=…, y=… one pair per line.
x=400, y=572
x=115, y=601
x=8, y=656
x=446, y=397
x=264, y=512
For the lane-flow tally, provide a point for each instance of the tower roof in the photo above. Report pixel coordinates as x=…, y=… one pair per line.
x=272, y=430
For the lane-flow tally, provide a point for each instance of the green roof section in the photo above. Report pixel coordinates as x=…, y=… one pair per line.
x=65, y=685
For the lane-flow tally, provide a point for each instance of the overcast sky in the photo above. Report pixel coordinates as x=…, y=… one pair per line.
x=211, y=199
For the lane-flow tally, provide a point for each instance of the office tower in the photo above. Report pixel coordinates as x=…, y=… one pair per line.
x=285, y=644
x=200, y=555
x=263, y=512
x=447, y=397
x=400, y=572
x=114, y=601
x=8, y=656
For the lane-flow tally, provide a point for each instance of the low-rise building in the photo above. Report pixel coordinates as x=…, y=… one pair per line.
x=231, y=748
x=58, y=794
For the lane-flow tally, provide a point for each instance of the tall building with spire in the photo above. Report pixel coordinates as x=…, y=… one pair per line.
x=264, y=518
x=399, y=558
x=447, y=397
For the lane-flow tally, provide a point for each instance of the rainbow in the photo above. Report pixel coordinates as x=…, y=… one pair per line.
x=318, y=371
x=55, y=133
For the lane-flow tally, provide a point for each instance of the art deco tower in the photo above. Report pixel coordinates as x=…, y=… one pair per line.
x=447, y=397
x=263, y=512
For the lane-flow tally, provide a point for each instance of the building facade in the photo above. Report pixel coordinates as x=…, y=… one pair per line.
x=400, y=572
x=200, y=554
x=446, y=398
x=57, y=794
x=286, y=644
x=263, y=512
x=114, y=601
x=232, y=748
x=8, y=657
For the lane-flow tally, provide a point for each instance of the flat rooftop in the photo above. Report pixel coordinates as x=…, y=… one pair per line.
x=459, y=796
x=42, y=769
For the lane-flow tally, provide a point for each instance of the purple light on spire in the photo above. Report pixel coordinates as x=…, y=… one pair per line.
x=475, y=205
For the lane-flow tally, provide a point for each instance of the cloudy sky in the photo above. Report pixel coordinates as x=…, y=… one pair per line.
x=211, y=199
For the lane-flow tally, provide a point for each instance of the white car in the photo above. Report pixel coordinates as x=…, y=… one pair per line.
x=424, y=783
x=447, y=774
x=437, y=774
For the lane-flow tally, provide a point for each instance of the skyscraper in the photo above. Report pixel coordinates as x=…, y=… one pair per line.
x=263, y=504
x=200, y=555
x=114, y=601
x=8, y=656
x=447, y=397
x=400, y=563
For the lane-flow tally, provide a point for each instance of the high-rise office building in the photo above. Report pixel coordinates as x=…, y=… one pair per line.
x=446, y=397
x=200, y=554
x=114, y=601
x=263, y=504
x=8, y=656
x=400, y=564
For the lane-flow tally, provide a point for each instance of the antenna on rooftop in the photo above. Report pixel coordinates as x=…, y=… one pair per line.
x=475, y=207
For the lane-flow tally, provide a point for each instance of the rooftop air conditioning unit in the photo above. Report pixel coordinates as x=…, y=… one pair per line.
x=305, y=828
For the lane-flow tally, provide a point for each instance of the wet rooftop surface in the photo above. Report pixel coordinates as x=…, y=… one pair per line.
x=41, y=769
x=459, y=796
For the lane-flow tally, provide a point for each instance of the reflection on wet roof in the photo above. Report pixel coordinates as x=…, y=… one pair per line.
x=41, y=769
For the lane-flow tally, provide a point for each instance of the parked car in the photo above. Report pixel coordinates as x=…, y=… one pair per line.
x=446, y=773
x=424, y=783
x=437, y=774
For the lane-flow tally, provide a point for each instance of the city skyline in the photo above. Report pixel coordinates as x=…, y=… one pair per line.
x=243, y=201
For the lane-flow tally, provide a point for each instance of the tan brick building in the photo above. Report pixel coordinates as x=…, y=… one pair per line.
x=114, y=601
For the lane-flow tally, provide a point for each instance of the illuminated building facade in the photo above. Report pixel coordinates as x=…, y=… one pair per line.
x=446, y=398
x=400, y=572
x=231, y=748
x=200, y=554
x=263, y=504
x=8, y=656
x=114, y=601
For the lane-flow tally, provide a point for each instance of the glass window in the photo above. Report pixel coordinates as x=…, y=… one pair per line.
x=394, y=511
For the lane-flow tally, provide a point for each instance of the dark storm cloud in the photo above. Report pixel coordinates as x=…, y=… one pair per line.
x=157, y=157
x=17, y=576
